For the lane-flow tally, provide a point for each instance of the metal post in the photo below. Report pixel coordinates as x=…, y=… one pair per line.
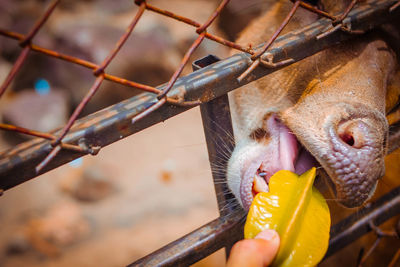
x=218, y=132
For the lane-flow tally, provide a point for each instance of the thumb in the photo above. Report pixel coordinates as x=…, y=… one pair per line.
x=256, y=252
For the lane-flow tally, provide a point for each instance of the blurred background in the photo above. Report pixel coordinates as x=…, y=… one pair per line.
x=139, y=193
x=144, y=191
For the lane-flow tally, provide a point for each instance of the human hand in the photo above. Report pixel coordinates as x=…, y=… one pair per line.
x=257, y=252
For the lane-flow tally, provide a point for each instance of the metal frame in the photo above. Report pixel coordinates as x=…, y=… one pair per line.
x=228, y=228
x=209, y=86
x=111, y=124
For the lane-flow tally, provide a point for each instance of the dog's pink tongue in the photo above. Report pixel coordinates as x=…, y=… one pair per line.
x=305, y=161
x=291, y=158
x=282, y=150
x=288, y=148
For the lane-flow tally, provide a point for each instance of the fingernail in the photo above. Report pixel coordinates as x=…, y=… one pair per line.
x=267, y=234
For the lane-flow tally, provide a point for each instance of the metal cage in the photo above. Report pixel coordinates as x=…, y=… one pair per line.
x=207, y=86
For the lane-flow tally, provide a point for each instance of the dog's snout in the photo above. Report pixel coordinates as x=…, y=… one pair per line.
x=355, y=159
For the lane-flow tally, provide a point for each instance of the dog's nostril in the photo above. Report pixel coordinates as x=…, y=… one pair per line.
x=353, y=133
x=347, y=138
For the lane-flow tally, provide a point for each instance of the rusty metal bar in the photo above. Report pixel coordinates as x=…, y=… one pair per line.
x=197, y=244
x=21, y=130
x=25, y=43
x=315, y=10
x=114, y=123
x=99, y=71
x=218, y=132
x=394, y=137
x=358, y=224
x=256, y=57
x=183, y=63
x=225, y=230
x=210, y=20
x=14, y=71
x=345, y=13
x=199, y=26
x=78, y=61
x=121, y=41
x=56, y=149
x=217, y=125
x=277, y=32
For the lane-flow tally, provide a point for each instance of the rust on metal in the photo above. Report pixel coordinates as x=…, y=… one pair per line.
x=55, y=143
x=121, y=41
x=229, y=43
x=172, y=15
x=267, y=61
x=218, y=131
x=197, y=25
x=207, y=87
x=48, y=136
x=79, y=109
x=197, y=244
x=394, y=137
x=102, y=128
x=210, y=20
x=99, y=70
x=356, y=225
x=380, y=234
x=47, y=159
x=249, y=70
x=156, y=105
x=337, y=23
x=229, y=229
x=25, y=43
x=277, y=32
x=316, y=10
x=395, y=258
x=28, y=38
x=183, y=63
x=256, y=56
x=340, y=19
x=392, y=8
x=15, y=68
x=201, y=29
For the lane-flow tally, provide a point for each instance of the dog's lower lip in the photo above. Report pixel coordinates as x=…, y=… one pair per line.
x=302, y=162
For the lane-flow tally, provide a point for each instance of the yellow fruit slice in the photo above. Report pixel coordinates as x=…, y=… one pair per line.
x=298, y=212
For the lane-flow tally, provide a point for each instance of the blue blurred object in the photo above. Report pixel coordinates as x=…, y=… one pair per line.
x=76, y=163
x=42, y=87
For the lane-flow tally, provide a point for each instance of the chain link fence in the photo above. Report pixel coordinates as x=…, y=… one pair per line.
x=207, y=86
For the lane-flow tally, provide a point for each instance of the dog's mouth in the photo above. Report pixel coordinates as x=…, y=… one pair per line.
x=351, y=164
x=283, y=152
x=303, y=162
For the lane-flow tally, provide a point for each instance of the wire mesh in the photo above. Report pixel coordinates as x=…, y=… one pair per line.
x=288, y=49
x=324, y=33
x=99, y=69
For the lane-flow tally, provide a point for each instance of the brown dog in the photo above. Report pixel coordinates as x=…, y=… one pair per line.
x=328, y=109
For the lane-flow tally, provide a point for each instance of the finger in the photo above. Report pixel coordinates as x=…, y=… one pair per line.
x=255, y=252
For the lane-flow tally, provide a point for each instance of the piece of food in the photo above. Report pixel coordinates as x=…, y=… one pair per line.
x=298, y=212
